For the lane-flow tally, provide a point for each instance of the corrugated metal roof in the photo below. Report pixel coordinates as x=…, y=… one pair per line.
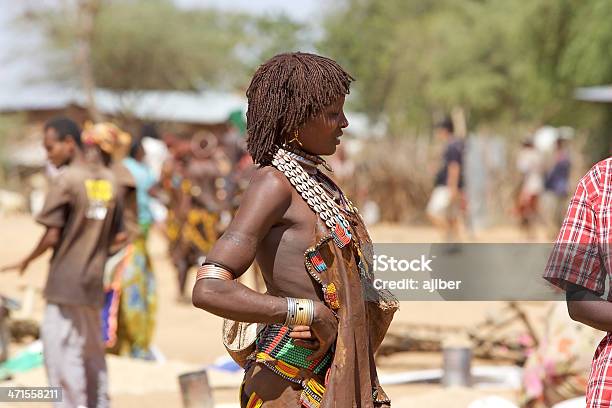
x=169, y=106
x=35, y=97
x=209, y=107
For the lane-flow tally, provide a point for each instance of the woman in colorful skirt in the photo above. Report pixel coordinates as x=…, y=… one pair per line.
x=131, y=301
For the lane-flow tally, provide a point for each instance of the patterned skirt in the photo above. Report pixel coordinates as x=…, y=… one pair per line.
x=128, y=316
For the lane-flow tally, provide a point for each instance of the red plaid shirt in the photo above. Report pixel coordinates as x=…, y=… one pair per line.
x=581, y=257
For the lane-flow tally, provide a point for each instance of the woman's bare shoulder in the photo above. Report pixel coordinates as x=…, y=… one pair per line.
x=269, y=180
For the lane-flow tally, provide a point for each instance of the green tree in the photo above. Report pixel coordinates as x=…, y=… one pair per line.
x=152, y=44
x=265, y=36
x=506, y=63
x=587, y=62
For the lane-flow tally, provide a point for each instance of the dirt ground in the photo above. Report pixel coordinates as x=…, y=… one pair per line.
x=190, y=338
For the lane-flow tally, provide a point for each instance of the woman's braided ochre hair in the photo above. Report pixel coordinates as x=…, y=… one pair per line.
x=287, y=91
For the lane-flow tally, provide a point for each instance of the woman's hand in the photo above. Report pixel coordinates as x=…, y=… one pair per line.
x=321, y=335
x=302, y=336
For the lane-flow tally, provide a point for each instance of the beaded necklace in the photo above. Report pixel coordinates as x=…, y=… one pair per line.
x=312, y=162
x=343, y=203
x=331, y=212
x=307, y=158
x=310, y=189
x=311, y=166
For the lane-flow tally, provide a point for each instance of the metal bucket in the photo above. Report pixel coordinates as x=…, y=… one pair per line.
x=457, y=367
x=195, y=390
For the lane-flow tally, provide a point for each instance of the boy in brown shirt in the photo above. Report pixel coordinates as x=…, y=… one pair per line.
x=81, y=217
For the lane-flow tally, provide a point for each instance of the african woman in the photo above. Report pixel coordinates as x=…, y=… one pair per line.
x=323, y=320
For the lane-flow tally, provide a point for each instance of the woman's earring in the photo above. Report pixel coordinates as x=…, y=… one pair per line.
x=295, y=138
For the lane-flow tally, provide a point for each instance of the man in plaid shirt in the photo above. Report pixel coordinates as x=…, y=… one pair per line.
x=580, y=263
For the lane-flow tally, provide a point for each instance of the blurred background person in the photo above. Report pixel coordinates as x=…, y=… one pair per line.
x=529, y=164
x=557, y=183
x=445, y=203
x=131, y=298
x=61, y=139
x=81, y=219
x=156, y=151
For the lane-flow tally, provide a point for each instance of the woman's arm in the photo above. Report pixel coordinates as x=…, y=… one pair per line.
x=263, y=206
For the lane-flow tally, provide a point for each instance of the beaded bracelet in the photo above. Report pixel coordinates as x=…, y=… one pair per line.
x=300, y=312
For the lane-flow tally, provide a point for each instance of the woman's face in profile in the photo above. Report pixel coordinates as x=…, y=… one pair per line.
x=321, y=135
